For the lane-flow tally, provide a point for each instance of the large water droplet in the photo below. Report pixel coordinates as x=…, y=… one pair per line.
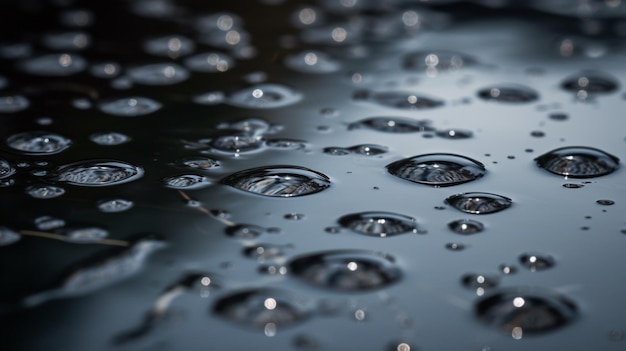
x=8, y=237
x=109, y=138
x=479, y=203
x=186, y=181
x=158, y=74
x=210, y=62
x=392, y=125
x=13, y=103
x=278, y=181
x=260, y=307
x=348, y=270
x=536, y=261
x=99, y=173
x=130, y=107
x=527, y=310
x=44, y=191
x=312, y=62
x=54, y=65
x=381, y=224
x=509, y=94
x=466, y=226
x=437, y=169
x=578, y=162
x=38, y=143
x=590, y=82
x=398, y=99
x=265, y=96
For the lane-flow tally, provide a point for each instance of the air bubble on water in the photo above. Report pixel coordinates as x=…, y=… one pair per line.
x=378, y=224
x=578, y=162
x=106, y=70
x=171, y=46
x=197, y=163
x=44, y=191
x=54, y=65
x=8, y=236
x=455, y=134
x=315, y=62
x=47, y=223
x=437, y=60
x=109, y=138
x=437, y=170
x=526, y=310
x=98, y=173
x=511, y=93
x=479, y=202
x=605, y=202
x=86, y=235
x=398, y=99
x=455, y=246
x=186, y=181
x=114, y=205
x=130, y=107
x=466, y=226
x=13, y=103
x=38, y=143
x=158, y=74
x=278, y=181
x=392, y=125
x=346, y=270
x=210, y=62
x=590, y=82
x=70, y=41
x=209, y=98
x=264, y=96
x=6, y=170
x=536, y=261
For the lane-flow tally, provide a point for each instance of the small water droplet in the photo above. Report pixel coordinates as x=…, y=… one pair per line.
x=38, y=143
x=8, y=236
x=392, y=125
x=508, y=94
x=558, y=116
x=43, y=191
x=437, y=169
x=158, y=74
x=346, y=270
x=197, y=163
x=507, y=269
x=455, y=247
x=315, y=62
x=380, y=224
x=264, y=96
x=578, y=162
x=85, y=235
x=109, y=138
x=106, y=70
x=13, y=103
x=264, y=252
x=47, y=223
x=466, y=226
x=475, y=281
x=130, y=107
x=186, y=181
x=605, y=202
x=245, y=231
x=438, y=60
x=210, y=62
x=536, y=261
x=210, y=98
x=278, y=181
x=114, y=205
x=294, y=216
x=67, y=41
x=54, y=65
x=537, y=134
x=99, y=173
x=455, y=134
x=171, y=46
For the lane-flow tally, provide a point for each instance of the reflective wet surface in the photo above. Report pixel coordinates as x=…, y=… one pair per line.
x=312, y=175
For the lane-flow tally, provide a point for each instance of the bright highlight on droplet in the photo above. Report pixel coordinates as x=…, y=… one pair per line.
x=257, y=93
x=339, y=34
x=205, y=281
x=269, y=303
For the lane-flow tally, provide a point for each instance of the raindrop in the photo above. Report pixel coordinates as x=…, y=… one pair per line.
x=278, y=181
x=169, y=46
x=13, y=103
x=578, y=162
x=6, y=170
x=99, y=173
x=259, y=307
x=158, y=74
x=590, y=82
x=455, y=247
x=392, y=125
x=346, y=270
x=265, y=96
x=54, y=65
x=508, y=94
x=475, y=281
x=114, y=205
x=38, y=143
x=439, y=60
x=85, y=235
x=536, y=261
x=8, y=237
x=109, y=138
x=466, y=226
x=531, y=310
x=315, y=62
x=479, y=203
x=42, y=191
x=398, y=99
x=197, y=163
x=130, y=107
x=605, y=202
x=47, y=223
x=210, y=62
x=437, y=169
x=186, y=181
x=455, y=134
x=379, y=224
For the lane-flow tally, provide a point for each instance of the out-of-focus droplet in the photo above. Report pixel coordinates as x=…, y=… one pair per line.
x=536, y=261
x=466, y=226
x=398, y=99
x=158, y=74
x=44, y=191
x=109, y=138
x=315, y=62
x=508, y=94
x=47, y=223
x=278, y=181
x=172, y=46
x=54, y=65
x=210, y=62
x=455, y=134
x=130, y=107
x=392, y=125
x=13, y=103
x=187, y=181
x=591, y=83
x=70, y=41
x=114, y=205
x=264, y=96
x=8, y=236
x=106, y=70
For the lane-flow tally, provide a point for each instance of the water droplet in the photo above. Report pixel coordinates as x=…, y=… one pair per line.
x=260, y=307
x=346, y=270
x=85, y=235
x=537, y=134
x=114, y=205
x=38, y=143
x=158, y=74
x=8, y=237
x=15, y=50
x=605, y=202
x=130, y=107
x=197, y=163
x=439, y=60
x=76, y=18
x=578, y=162
x=99, y=173
x=6, y=170
x=47, y=223
x=531, y=310
x=42, y=191
x=474, y=281
x=509, y=94
x=286, y=144
x=315, y=62
x=368, y=149
x=590, y=82
x=455, y=134
x=278, y=181
x=54, y=65
x=69, y=41
x=171, y=46
x=245, y=231
x=479, y=203
x=210, y=62
x=466, y=226
x=13, y=103
x=294, y=216
x=186, y=181
x=380, y=224
x=536, y=261
x=455, y=247
x=265, y=96
x=398, y=99
x=264, y=252
x=392, y=125
x=558, y=116
x=573, y=185
x=234, y=143
x=106, y=70
x=437, y=169
x=109, y=138
x=210, y=98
